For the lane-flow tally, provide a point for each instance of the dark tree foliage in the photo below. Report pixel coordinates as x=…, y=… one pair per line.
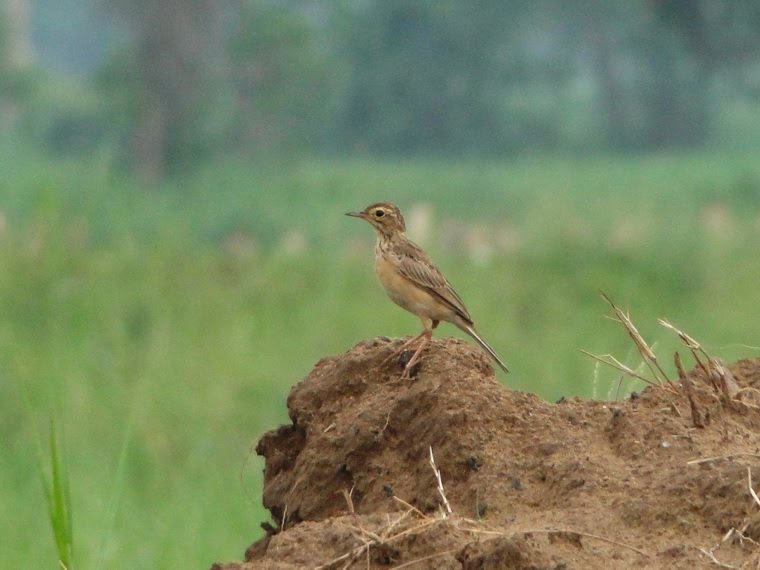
x=186, y=81
x=164, y=78
x=426, y=75
x=281, y=77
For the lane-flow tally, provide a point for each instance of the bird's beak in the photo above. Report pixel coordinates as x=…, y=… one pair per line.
x=356, y=214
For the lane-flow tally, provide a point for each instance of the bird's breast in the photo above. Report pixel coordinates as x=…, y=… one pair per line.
x=405, y=293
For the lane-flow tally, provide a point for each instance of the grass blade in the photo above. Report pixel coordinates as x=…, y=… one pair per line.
x=58, y=496
x=116, y=496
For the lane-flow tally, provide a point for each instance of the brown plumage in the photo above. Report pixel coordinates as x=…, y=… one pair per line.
x=413, y=281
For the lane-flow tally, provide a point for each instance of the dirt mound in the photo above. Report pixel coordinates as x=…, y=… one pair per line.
x=531, y=485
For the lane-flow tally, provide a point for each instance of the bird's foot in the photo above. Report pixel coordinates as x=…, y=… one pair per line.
x=401, y=358
x=407, y=358
x=410, y=368
x=401, y=355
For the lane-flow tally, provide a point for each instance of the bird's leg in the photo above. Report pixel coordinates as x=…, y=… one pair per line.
x=423, y=338
x=412, y=341
x=396, y=353
x=426, y=335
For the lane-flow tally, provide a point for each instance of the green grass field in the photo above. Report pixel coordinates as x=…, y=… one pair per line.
x=171, y=324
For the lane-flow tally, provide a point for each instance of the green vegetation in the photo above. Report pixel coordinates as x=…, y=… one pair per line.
x=165, y=328
x=58, y=496
x=390, y=77
x=161, y=323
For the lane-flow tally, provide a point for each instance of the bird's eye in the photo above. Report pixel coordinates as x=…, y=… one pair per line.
x=379, y=213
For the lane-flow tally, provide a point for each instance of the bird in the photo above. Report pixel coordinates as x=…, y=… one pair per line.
x=414, y=282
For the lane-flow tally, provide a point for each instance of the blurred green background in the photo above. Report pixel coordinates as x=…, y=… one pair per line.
x=174, y=255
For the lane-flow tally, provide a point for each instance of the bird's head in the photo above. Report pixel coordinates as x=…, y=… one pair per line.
x=385, y=217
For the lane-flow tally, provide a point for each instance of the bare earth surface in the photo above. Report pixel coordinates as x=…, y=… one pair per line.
x=532, y=485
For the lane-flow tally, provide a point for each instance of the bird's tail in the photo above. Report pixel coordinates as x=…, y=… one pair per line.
x=471, y=331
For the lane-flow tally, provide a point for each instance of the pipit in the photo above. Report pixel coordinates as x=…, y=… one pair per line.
x=413, y=281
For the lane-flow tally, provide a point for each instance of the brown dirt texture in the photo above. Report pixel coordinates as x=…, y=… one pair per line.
x=660, y=480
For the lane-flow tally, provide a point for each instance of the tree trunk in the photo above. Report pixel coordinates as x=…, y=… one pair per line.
x=615, y=125
x=150, y=141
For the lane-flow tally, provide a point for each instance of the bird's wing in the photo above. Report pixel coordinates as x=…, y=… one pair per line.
x=415, y=265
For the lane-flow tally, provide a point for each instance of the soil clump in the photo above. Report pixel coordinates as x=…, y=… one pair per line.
x=657, y=481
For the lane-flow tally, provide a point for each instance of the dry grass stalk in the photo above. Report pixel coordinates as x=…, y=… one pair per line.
x=748, y=392
x=284, y=516
x=400, y=519
x=369, y=539
x=718, y=374
x=588, y=535
x=727, y=382
x=740, y=535
x=751, y=490
x=721, y=458
x=697, y=417
x=732, y=536
x=476, y=529
x=429, y=557
x=710, y=553
x=285, y=510
x=389, y=534
x=742, y=538
x=615, y=363
x=438, y=479
x=409, y=506
x=387, y=420
x=646, y=352
x=689, y=342
x=349, y=500
x=711, y=556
